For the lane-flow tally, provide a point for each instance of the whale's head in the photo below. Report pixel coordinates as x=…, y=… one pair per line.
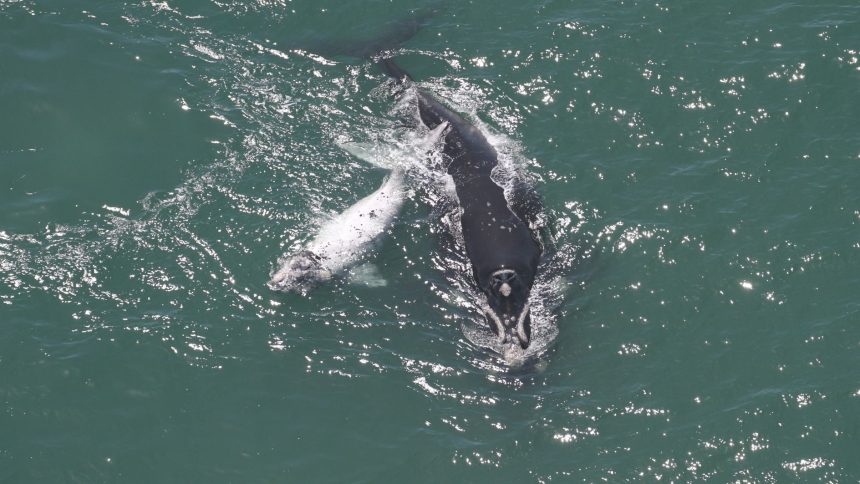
x=507, y=308
x=300, y=273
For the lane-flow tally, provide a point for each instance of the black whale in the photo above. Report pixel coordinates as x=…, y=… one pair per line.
x=503, y=250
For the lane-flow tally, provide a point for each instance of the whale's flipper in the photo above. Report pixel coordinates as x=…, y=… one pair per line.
x=378, y=155
x=367, y=274
x=527, y=203
x=390, y=156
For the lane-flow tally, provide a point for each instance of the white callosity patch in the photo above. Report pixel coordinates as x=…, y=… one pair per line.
x=500, y=327
x=521, y=325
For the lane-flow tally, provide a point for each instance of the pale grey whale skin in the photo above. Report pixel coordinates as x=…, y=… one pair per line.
x=345, y=240
x=350, y=237
x=503, y=250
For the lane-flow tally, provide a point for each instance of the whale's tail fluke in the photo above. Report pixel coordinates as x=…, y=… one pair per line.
x=394, y=70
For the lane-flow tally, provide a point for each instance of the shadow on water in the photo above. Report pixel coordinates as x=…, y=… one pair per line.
x=390, y=36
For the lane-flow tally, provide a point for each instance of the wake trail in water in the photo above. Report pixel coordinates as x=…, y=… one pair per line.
x=434, y=188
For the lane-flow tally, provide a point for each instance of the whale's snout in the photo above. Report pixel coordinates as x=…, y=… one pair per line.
x=511, y=327
x=299, y=274
x=507, y=308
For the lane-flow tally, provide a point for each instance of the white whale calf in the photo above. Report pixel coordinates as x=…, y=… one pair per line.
x=351, y=236
x=345, y=240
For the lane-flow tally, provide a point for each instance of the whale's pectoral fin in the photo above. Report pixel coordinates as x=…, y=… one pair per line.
x=367, y=274
x=526, y=202
x=378, y=155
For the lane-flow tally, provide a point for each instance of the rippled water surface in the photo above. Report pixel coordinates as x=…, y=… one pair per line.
x=697, y=316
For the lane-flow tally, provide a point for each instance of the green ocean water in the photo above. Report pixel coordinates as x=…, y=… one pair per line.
x=699, y=162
